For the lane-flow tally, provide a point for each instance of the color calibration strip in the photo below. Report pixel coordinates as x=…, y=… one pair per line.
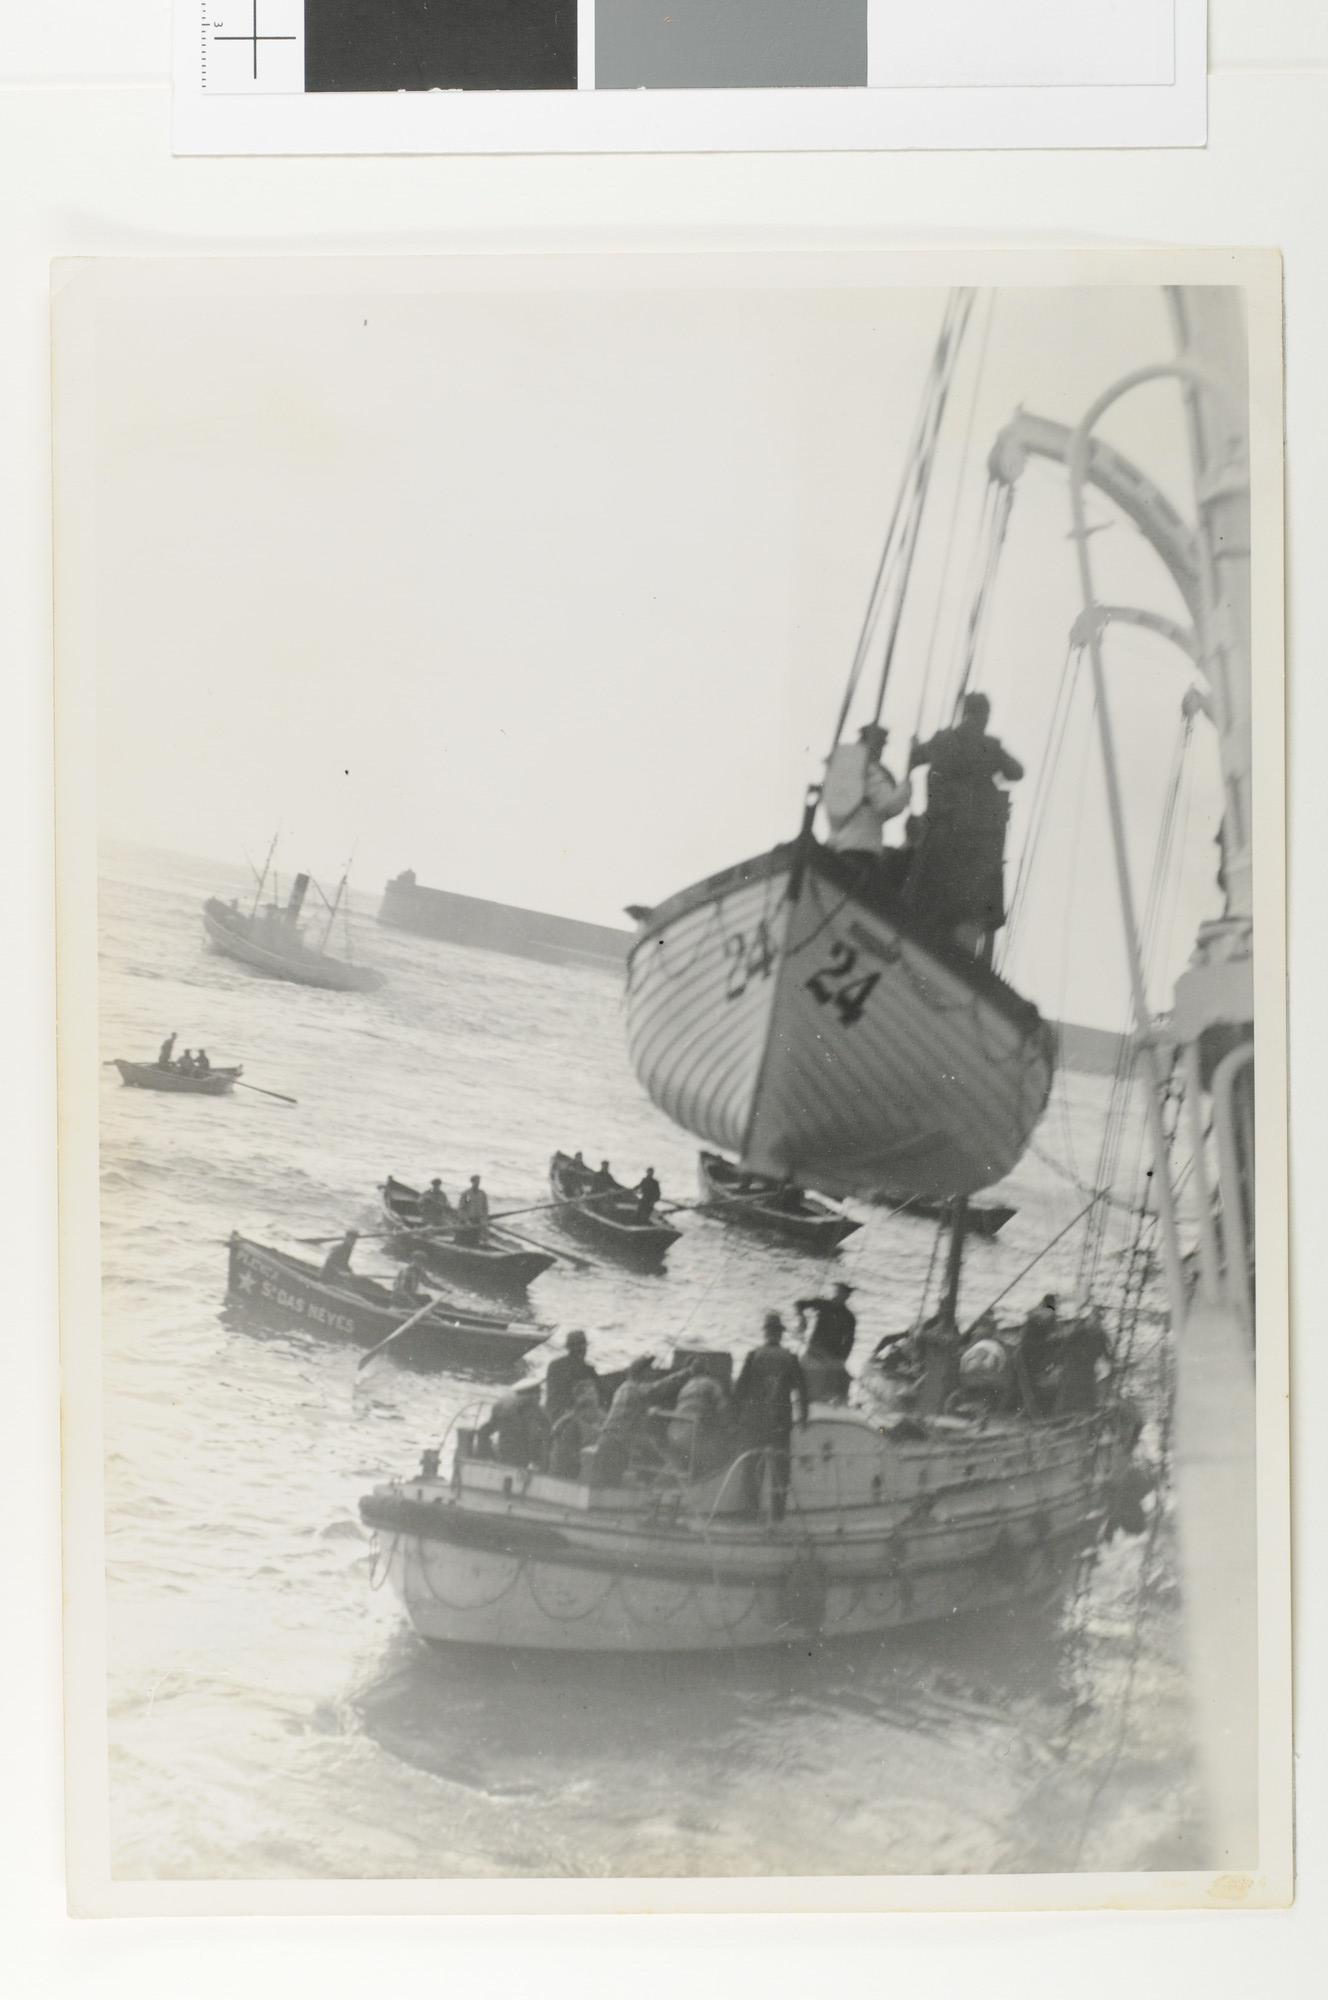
x=346, y=46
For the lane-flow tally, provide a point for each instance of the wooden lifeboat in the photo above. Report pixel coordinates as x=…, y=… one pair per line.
x=792, y=1013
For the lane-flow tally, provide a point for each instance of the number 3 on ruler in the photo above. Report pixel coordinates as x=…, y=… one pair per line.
x=834, y=986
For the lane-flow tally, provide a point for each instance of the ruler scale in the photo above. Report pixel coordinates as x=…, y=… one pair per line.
x=251, y=45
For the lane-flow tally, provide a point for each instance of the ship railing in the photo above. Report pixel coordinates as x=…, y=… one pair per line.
x=464, y=1421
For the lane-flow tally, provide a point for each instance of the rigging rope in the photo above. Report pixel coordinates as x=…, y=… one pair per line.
x=961, y=487
x=1164, y=859
x=1049, y=765
x=980, y=610
x=964, y=308
x=922, y=446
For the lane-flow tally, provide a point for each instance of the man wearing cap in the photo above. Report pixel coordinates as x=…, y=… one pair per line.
x=473, y=1212
x=768, y=1389
x=859, y=795
x=567, y=1374
x=834, y=1330
x=434, y=1206
x=336, y=1264
x=648, y=1192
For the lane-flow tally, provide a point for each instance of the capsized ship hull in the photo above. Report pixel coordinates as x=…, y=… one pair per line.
x=879, y=1536
x=786, y=1012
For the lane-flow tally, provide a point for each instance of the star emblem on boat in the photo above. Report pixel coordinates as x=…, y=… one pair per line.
x=246, y=1281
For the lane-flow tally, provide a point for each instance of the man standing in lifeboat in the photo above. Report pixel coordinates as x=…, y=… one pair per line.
x=859, y=796
x=770, y=1386
x=957, y=877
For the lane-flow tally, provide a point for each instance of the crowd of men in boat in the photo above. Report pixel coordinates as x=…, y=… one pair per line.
x=949, y=869
x=601, y=1187
x=194, y=1062
x=692, y=1421
x=468, y=1219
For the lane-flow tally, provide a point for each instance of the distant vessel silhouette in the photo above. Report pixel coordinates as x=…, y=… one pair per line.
x=268, y=939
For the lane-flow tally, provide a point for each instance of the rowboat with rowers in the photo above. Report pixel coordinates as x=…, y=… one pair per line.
x=610, y=1218
x=284, y=1291
x=160, y=1076
x=775, y=1208
x=491, y=1259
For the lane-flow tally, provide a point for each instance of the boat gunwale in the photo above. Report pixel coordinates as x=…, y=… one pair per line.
x=660, y=1234
x=445, y=1317
x=213, y=1082
x=982, y=979
x=426, y=1522
x=502, y=1249
x=820, y=1218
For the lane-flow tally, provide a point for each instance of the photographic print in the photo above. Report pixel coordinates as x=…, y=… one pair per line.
x=666, y=865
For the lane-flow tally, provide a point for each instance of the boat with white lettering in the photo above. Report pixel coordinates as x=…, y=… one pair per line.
x=282, y=1290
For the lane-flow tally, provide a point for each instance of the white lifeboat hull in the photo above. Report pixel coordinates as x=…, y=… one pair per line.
x=782, y=1012
x=878, y=1536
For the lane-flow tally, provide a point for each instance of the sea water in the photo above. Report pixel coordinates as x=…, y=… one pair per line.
x=272, y=1715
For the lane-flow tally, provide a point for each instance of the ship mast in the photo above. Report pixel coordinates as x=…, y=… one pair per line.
x=262, y=880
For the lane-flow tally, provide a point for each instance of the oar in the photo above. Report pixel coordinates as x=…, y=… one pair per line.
x=404, y=1327
x=280, y=1095
x=364, y=1235
x=580, y=1263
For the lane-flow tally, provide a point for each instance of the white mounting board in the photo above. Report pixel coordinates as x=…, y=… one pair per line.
x=951, y=74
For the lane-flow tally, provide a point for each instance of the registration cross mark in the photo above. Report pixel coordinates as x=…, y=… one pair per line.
x=254, y=37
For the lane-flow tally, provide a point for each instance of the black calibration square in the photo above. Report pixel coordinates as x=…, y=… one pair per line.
x=440, y=45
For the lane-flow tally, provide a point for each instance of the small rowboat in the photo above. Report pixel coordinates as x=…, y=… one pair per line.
x=152, y=1076
x=756, y=1203
x=980, y=1218
x=280, y=1290
x=607, y=1220
x=499, y=1264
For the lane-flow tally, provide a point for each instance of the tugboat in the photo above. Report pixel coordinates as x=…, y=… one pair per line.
x=268, y=938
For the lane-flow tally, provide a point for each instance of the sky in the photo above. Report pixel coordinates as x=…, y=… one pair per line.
x=549, y=590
